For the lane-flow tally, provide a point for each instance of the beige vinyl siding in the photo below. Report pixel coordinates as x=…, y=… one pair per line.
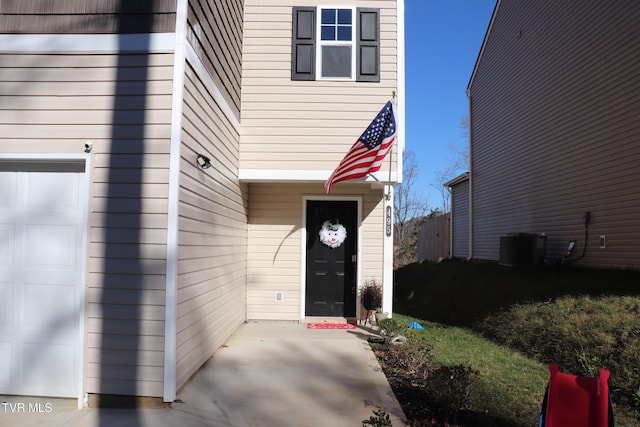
x=275, y=231
x=212, y=254
x=84, y=16
x=304, y=124
x=54, y=104
x=372, y=230
x=215, y=33
x=555, y=128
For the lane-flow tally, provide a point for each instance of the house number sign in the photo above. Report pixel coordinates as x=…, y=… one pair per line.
x=387, y=221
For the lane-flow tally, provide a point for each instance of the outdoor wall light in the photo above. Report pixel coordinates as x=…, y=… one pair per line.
x=203, y=161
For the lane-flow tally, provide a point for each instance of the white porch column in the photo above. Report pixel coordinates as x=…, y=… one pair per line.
x=387, y=275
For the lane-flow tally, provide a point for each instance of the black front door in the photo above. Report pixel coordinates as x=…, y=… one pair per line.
x=332, y=236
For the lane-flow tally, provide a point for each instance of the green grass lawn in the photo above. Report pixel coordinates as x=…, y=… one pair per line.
x=452, y=299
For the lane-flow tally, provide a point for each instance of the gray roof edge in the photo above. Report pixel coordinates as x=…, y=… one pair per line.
x=457, y=180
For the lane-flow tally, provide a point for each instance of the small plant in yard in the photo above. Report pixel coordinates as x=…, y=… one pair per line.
x=450, y=386
x=371, y=295
x=412, y=358
x=391, y=328
x=379, y=419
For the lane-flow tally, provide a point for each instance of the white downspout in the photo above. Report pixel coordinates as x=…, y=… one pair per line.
x=470, y=255
x=451, y=223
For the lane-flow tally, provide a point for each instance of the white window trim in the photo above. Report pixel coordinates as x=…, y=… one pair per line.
x=322, y=43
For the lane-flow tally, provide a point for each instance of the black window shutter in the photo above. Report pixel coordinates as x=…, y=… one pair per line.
x=368, y=45
x=303, y=44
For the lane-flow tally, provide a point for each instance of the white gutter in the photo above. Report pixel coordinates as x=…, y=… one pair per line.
x=302, y=175
x=451, y=223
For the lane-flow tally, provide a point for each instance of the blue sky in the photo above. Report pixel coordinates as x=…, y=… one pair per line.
x=443, y=39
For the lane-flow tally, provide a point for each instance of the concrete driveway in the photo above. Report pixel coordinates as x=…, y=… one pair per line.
x=269, y=374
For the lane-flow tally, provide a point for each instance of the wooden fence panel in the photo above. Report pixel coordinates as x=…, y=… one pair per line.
x=434, y=239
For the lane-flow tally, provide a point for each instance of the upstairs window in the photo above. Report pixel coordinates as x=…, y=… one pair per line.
x=336, y=59
x=337, y=25
x=335, y=44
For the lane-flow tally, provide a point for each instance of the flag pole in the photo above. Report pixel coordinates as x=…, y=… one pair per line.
x=387, y=195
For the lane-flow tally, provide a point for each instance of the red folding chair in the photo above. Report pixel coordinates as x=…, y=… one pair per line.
x=573, y=401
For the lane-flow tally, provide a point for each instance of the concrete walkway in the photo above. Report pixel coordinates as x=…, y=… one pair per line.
x=269, y=374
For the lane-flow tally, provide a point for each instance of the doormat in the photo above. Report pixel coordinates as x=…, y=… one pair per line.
x=324, y=325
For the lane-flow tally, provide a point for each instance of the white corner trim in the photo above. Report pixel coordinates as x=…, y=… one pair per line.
x=154, y=42
x=401, y=89
x=171, y=288
x=305, y=175
x=83, y=295
x=203, y=74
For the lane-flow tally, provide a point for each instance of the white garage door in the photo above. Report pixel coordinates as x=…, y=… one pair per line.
x=41, y=268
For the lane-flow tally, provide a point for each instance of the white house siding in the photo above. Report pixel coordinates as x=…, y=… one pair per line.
x=276, y=227
x=53, y=104
x=308, y=125
x=212, y=264
x=554, y=115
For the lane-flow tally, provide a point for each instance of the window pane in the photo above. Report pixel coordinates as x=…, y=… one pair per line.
x=328, y=32
x=344, y=33
x=328, y=16
x=344, y=16
x=336, y=61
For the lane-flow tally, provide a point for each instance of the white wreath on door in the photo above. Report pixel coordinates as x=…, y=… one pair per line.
x=332, y=235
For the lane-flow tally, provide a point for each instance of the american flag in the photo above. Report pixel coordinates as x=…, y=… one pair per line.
x=368, y=152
